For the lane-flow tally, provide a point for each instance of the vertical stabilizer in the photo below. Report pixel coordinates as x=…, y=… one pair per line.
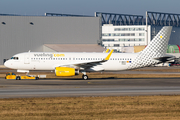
x=156, y=48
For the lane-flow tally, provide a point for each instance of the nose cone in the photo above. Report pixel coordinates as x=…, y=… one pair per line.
x=7, y=64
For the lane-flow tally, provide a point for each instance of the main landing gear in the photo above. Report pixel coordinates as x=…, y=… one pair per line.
x=84, y=76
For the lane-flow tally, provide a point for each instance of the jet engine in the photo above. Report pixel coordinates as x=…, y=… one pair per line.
x=65, y=71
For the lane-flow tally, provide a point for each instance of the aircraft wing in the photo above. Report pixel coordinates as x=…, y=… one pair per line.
x=165, y=58
x=85, y=65
x=88, y=64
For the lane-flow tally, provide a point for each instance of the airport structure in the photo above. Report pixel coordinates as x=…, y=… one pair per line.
x=122, y=30
x=51, y=32
x=118, y=37
x=23, y=33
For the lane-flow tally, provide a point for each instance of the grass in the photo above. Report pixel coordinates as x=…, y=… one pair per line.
x=124, y=108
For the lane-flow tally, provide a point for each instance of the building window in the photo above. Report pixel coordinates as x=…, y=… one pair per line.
x=122, y=34
x=116, y=45
x=141, y=34
x=132, y=34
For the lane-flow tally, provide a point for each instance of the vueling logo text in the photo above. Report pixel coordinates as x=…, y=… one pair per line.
x=49, y=55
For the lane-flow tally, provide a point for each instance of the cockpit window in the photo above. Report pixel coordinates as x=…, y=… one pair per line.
x=15, y=58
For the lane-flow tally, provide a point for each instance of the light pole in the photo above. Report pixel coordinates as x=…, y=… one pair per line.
x=146, y=28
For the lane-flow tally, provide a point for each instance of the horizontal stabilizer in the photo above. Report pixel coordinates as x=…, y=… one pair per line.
x=165, y=58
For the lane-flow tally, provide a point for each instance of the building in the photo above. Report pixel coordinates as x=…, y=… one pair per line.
x=109, y=30
x=117, y=37
x=23, y=33
x=123, y=30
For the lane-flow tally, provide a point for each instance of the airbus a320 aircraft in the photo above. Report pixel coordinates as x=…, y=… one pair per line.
x=71, y=63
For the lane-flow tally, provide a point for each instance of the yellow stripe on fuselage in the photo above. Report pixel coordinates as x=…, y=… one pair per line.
x=107, y=58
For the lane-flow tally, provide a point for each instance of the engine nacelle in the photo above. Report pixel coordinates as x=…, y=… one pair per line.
x=65, y=71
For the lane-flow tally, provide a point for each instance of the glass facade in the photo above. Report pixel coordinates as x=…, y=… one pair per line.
x=129, y=29
x=115, y=37
x=124, y=39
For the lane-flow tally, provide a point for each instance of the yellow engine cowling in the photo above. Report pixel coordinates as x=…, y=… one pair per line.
x=65, y=71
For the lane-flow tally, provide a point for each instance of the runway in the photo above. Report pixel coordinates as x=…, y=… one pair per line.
x=92, y=87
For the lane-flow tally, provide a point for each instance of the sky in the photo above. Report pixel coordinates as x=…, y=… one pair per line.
x=88, y=7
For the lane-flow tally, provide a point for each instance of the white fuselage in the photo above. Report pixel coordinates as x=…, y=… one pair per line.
x=49, y=60
x=85, y=62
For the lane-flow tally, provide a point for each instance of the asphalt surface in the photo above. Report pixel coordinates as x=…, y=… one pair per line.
x=93, y=87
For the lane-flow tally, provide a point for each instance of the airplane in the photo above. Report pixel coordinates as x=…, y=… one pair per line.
x=71, y=63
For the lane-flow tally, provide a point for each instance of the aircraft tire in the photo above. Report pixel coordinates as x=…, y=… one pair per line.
x=18, y=78
x=85, y=77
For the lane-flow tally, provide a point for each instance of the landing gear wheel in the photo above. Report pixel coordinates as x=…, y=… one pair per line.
x=85, y=77
x=18, y=78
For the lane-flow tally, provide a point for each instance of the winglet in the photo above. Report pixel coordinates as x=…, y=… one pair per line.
x=109, y=55
x=107, y=50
